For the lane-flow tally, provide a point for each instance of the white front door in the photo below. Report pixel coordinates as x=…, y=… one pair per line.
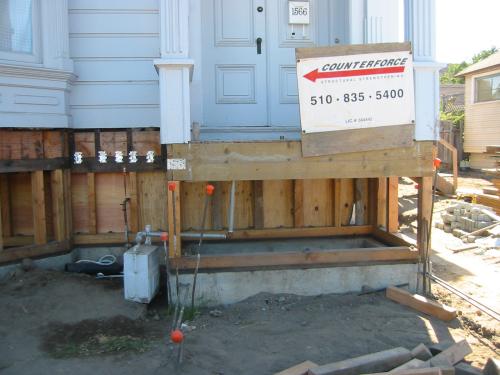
x=249, y=77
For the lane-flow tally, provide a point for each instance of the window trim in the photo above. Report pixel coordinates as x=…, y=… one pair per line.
x=476, y=91
x=33, y=58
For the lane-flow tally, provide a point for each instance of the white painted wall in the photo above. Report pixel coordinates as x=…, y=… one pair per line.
x=113, y=44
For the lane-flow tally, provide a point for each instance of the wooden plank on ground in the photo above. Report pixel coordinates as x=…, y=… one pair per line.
x=300, y=369
x=91, y=199
x=421, y=303
x=223, y=161
x=452, y=355
x=278, y=196
x=392, y=204
x=38, y=204
x=58, y=204
x=299, y=259
x=370, y=363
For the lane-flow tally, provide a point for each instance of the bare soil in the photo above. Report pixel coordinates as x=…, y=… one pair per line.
x=53, y=322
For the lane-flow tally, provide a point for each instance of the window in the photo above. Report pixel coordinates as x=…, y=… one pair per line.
x=18, y=24
x=488, y=88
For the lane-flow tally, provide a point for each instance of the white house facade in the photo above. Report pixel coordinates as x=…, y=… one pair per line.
x=196, y=69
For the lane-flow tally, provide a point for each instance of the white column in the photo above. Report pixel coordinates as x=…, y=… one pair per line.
x=420, y=30
x=174, y=70
x=356, y=21
x=55, y=35
x=381, y=21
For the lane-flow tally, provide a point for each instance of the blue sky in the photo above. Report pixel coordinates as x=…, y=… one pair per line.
x=465, y=27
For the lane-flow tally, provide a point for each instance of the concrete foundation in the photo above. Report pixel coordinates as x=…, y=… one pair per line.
x=223, y=288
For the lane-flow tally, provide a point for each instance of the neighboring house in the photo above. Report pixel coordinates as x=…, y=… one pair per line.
x=452, y=96
x=482, y=110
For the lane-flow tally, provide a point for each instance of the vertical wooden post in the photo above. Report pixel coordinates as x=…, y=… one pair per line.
x=92, y=203
x=1, y=226
x=258, y=204
x=298, y=203
x=58, y=204
x=337, y=203
x=5, y=223
x=346, y=200
x=382, y=203
x=392, y=204
x=361, y=198
x=38, y=203
x=174, y=221
x=424, y=211
x=68, y=205
x=133, y=204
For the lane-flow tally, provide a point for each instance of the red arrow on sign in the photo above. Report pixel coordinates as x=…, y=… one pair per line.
x=315, y=74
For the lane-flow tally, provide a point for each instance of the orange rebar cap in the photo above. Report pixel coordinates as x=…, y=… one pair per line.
x=437, y=163
x=177, y=336
x=210, y=189
x=164, y=236
x=171, y=186
x=417, y=186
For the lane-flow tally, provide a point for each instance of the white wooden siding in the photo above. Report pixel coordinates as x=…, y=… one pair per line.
x=113, y=44
x=482, y=122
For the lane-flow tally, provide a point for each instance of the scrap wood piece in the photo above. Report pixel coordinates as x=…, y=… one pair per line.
x=421, y=352
x=423, y=371
x=300, y=369
x=452, y=355
x=492, y=367
x=374, y=362
x=421, y=303
x=415, y=363
x=466, y=369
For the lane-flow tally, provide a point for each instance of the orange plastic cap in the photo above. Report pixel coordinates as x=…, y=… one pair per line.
x=417, y=186
x=164, y=236
x=177, y=336
x=210, y=189
x=171, y=186
x=437, y=163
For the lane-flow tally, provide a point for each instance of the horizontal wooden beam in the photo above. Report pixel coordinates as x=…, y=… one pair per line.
x=226, y=161
x=31, y=165
x=389, y=238
x=301, y=232
x=91, y=164
x=299, y=258
x=34, y=251
x=18, y=241
x=102, y=239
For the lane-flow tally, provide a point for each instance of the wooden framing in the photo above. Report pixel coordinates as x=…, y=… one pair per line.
x=279, y=194
x=299, y=259
x=222, y=161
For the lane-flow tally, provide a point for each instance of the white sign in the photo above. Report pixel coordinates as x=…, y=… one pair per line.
x=298, y=12
x=355, y=91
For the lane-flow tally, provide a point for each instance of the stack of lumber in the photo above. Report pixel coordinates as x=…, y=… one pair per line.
x=491, y=196
x=435, y=359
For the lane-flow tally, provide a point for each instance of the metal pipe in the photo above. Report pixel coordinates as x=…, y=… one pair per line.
x=494, y=314
x=231, y=207
x=221, y=236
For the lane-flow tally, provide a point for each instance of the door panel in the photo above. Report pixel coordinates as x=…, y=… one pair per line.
x=234, y=75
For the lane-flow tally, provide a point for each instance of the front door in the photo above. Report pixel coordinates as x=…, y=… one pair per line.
x=249, y=77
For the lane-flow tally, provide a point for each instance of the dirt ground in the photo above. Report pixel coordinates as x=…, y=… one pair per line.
x=52, y=322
